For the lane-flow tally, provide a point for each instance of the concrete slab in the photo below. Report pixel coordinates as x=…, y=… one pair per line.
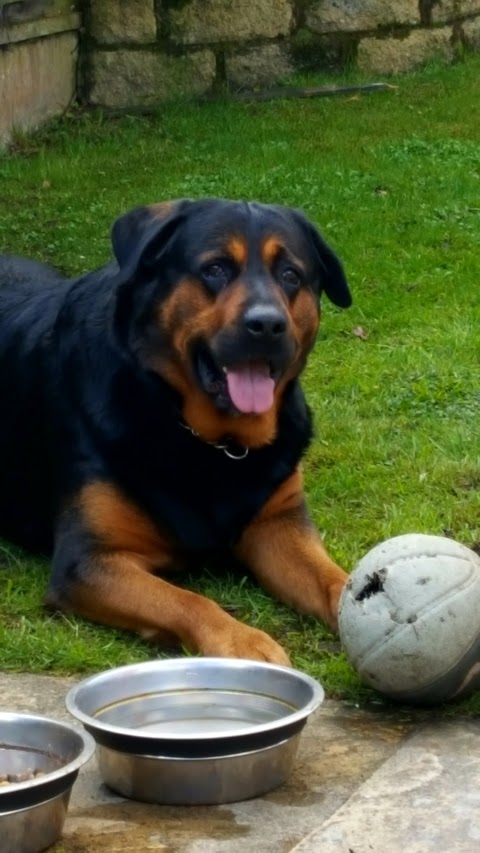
x=340, y=749
x=426, y=797
x=365, y=781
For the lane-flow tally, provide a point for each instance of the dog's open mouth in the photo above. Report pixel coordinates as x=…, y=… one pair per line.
x=247, y=387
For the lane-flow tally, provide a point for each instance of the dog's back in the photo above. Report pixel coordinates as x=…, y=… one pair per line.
x=17, y=272
x=30, y=293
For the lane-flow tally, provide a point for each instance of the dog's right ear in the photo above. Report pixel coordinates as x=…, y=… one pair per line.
x=140, y=236
x=140, y=239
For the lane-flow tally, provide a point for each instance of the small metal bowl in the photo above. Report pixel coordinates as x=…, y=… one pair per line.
x=195, y=731
x=33, y=807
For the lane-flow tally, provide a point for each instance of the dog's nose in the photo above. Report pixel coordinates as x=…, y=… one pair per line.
x=265, y=321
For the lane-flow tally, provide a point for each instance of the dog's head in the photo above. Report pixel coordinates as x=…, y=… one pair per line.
x=222, y=299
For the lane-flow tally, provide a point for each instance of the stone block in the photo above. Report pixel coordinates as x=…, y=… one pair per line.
x=450, y=10
x=125, y=79
x=123, y=21
x=37, y=81
x=210, y=21
x=398, y=55
x=259, y=66
x=360, y=15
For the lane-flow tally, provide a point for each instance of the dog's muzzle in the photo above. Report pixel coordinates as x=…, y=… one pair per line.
x=240, y=368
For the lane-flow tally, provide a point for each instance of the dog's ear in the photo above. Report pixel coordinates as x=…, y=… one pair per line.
x=333, y=279
x=139, y=236
x=140, y=239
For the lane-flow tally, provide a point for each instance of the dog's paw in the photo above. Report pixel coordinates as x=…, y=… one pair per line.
x=241, y=641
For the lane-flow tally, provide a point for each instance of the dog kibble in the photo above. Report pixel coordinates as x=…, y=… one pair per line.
x=26, y=776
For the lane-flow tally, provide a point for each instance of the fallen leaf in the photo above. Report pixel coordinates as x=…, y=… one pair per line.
x=360, y=332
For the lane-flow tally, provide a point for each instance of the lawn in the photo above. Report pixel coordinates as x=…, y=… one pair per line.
x=393, y=181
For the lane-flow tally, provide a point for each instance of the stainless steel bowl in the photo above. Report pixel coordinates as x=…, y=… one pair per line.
x=33, y=807
x=195, y=730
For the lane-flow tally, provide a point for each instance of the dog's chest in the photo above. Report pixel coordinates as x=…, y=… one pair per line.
x=195, y=491
x=206, y=499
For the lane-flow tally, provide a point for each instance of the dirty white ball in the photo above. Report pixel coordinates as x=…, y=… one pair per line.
x=409, y=618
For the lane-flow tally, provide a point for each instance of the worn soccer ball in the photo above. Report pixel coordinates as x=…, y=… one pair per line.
x=409, y=619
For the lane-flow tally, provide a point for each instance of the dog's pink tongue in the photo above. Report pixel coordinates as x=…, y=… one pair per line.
x=251, y=388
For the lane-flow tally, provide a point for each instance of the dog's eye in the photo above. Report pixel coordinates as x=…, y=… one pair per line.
x=290, y=279
x=216, y=275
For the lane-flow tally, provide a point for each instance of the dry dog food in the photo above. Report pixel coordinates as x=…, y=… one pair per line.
x=26, y=776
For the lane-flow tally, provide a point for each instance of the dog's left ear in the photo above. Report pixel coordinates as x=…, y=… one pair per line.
x=333, y=279
x=139, y=236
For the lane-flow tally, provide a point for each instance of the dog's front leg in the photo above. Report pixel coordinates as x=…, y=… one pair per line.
x=284, y=551
x=117, y=589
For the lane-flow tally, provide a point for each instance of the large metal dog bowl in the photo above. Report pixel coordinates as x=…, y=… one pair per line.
x=195, y=730
x=39, y=762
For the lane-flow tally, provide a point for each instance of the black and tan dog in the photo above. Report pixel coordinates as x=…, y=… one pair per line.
x=152, y=414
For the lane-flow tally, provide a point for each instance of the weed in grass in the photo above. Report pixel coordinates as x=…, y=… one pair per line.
x=393, y=181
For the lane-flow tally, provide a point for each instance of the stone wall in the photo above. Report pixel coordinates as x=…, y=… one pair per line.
x=38, y=59
x=137, y=53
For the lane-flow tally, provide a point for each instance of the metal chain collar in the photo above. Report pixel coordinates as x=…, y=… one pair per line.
x=228, y=451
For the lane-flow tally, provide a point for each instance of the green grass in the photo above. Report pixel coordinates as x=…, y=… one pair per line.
x=393, y=181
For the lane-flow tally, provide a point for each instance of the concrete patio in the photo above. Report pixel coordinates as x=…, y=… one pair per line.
x=365, y=781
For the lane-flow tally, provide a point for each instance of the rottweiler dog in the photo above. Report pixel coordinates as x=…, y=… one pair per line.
x=152, y=415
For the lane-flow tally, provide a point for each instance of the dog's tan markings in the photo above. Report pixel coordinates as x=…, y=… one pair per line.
x=284, y=551
x=306, y=318
x=288, y=496
x=117, y=523
x=270, y=248
x=237, y=248
x=248, y=430
x=184, y=312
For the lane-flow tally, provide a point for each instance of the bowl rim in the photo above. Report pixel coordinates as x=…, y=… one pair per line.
x=289, y=720
x=52, y=780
